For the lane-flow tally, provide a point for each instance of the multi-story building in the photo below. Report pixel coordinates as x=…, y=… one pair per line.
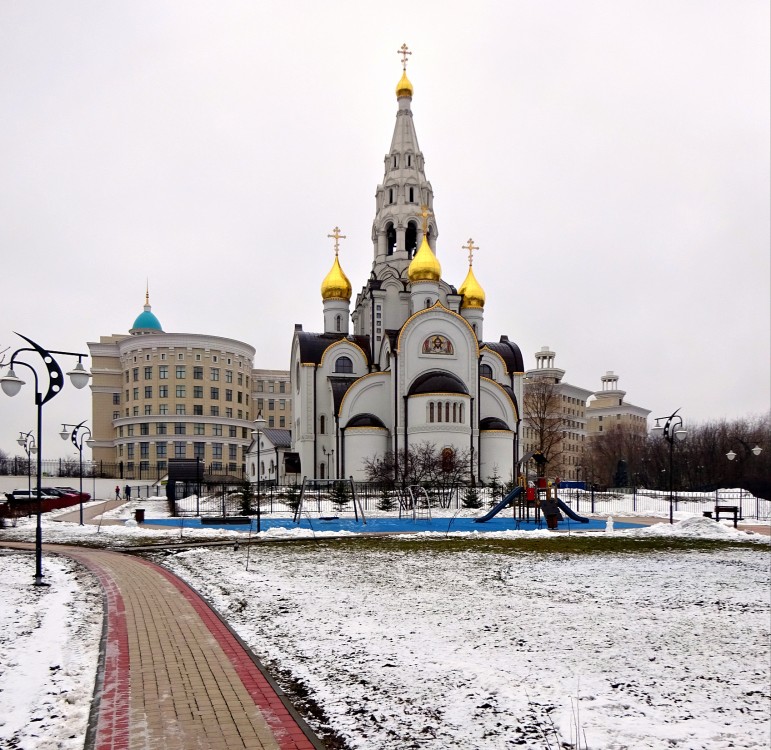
x=158, y=395
x=608, y=411
x=554, y=417
x=273, y=397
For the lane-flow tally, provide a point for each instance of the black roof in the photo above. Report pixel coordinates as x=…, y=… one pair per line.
x=493, y=423
x=510, y=352
x=340, y=387
x=365, y=420
x=437, y=381
x=313, y=345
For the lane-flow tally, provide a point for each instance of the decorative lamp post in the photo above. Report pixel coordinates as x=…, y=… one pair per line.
x=328, y=453
x=11, y=385
x=27, y=442
x=259, y=426
x=78, y=437
x=673, y=429
x=756, y=451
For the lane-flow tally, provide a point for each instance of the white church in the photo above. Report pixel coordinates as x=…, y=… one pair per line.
x=408, y=364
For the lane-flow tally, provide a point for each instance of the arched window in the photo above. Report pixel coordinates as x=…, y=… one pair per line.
x=338, y=321
x=411, y=238
x=322, y=425
x=428, y=303
x=390, y=238
x=461, y=412
x=455, y=411
x=394, y=161
x=409, y=163
x=390, y=195
x=344, y=365
x=485, y=371
x=412, y=195
x=447, y=411
x=439, y=412
x=430, y=411
x=321, y=471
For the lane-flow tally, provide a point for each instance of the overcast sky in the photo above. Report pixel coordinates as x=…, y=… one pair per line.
x=609, y=157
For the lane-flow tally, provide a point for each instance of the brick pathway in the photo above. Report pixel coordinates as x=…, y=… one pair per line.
x=174, y=675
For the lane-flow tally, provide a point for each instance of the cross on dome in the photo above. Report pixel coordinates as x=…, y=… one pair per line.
x=337, y=237
x=404, y=51
x=470, y=246
x=425, y=213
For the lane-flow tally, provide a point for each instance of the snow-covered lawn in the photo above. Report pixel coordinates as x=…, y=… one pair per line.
x=411, y=643
x=49, y=645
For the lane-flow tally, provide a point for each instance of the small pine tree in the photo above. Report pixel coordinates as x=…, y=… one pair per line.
x=247, y=495
x=496, y=488
x=386, y=502
x=340, y=497
x=472, y=498
x=292, y=497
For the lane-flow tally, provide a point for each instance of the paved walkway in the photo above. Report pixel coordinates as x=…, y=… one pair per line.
x=174, y=676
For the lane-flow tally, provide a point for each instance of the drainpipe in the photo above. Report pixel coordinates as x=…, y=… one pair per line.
x=315, y=420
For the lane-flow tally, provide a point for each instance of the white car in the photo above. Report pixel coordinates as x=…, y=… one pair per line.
x=27, y=495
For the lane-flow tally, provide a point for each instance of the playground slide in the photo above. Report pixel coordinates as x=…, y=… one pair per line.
x=500, y=506
x=568, y=511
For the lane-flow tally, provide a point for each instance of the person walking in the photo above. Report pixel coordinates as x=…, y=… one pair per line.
x=127, y=493
x=117, y=492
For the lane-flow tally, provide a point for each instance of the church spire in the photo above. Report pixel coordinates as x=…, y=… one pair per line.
x=396, y=230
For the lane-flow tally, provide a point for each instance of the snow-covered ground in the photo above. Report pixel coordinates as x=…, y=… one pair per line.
x=435, y=649
x=49, y=645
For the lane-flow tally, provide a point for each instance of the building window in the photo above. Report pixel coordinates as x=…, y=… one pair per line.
x=163, y=391
x=160, y=428
x=163, y=372
x=430, y=411
x=197, y=391
x=229, y=412
x=232, y=452
x=281, y=387
x=486, y=371
x=127, y=376
x=240, y=376
x=199, y=428
x=148, y=373
x=215, y=373
x=199, y=450
x=214, y=393
x=179, y=449
x=344, y=365
x=144, y=450
x=260, y=386
x=135, y=393
x=116, y=399
x=271, y=387
x=338, y=323
x=232, y=431
x=144, y=428
x=130, y=450
x=163, y=409
x=135, y=411
x=148, y=391
x=198, y=373
x=271, y=404
x=260, y=404
x=180, y=372
x=181, y=392
x=116, y=415
x=180, y=409
x=240, y=397
x=216, y=450
x=322, y=425
x=228, y=394
x=217, y=430
x=228, y=376
x=179, y=428
x=214, y=411
x=135, y=374
x=160, y=449
x=198, y=410
x=282, y=421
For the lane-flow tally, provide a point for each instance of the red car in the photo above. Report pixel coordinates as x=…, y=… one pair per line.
x=81, y=498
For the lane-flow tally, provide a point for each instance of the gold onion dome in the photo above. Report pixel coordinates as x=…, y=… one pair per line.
x=404, y=87
x=336, y=284
x=424, y=266
x=472, y=292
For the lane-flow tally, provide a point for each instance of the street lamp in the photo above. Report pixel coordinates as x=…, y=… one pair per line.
x=259, y=426
x=756, y=451
x=328, y=453
x=27, y=442
x=11, y=385
x=78, y=437
x=673, y=429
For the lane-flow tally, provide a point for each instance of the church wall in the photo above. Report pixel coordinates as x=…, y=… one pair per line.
x=369, y=395
x=496, y=453
x=494, y=402
x=363, y=443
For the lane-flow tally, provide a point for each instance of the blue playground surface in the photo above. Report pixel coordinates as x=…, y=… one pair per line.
x=380, y=525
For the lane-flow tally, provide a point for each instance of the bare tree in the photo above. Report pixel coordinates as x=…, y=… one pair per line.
x=543, y=415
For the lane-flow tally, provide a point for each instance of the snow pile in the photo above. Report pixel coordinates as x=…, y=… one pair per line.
x=695, y=527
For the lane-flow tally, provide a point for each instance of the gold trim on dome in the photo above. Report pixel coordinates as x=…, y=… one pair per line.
x=472, y=292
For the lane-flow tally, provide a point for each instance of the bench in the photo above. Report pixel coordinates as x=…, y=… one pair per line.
x=730, y=510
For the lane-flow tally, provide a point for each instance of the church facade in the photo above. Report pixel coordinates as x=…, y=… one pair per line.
x=405, y=363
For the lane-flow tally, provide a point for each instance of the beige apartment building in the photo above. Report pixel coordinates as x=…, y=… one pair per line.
x=272, y=397
x=158, y=395
x=608, y=411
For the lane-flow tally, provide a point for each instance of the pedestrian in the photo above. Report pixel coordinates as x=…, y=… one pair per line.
x=127, y=493
x=117, y=492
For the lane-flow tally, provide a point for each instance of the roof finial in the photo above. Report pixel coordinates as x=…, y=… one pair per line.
x=147, y=291
x=470, y=247
x=404, y=51
x=337, y=237
x=425, y=213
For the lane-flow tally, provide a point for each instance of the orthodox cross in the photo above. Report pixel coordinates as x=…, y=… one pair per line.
x=425, y=213
x=470, y=247
x=403, y=51
x=337, y=237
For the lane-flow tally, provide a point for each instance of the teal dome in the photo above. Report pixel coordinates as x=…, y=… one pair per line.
x=146, y=320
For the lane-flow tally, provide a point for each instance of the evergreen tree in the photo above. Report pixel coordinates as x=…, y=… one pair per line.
x=340, y=496
x=472, y=498
x=386, y=502
x=496, y=488
x=247, y=495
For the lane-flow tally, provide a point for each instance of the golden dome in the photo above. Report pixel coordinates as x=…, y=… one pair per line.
x=472, y=292
x=424, y=266
x=336, y=284
x=404, y=87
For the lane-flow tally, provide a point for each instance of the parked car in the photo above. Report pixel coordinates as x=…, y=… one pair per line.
x=82, y=497
x=61, y=492
x=28, y=495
